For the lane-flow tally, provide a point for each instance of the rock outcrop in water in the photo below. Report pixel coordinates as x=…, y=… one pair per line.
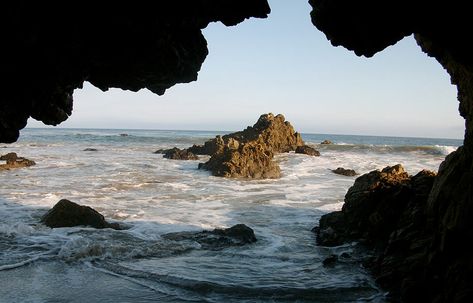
x=217, y=239
x=385, y=211
x=177, y=154
x=249, y=153
x=13, y=161
x=307, y=150
x=344, y=172
x=367, y=27
x=68, y=214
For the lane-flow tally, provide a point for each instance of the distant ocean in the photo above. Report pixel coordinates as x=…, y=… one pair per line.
x=128, y=183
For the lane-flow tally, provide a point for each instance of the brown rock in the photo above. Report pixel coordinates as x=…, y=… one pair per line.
x=344, y=172
x=307, y=150
x=248, y=154
x=326, y=142
x=68, y=214
x=387, y=212
x=177, y=154
x=248, y=161
x=13, y=161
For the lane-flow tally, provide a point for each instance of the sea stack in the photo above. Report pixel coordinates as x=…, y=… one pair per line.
x=248, y=154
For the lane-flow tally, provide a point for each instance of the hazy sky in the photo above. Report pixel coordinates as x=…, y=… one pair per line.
x=283, y=64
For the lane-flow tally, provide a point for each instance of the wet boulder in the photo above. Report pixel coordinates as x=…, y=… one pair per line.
x=217, y=239
x=177, y=154
x=326, y=142
x=344, y=172
x=68, y=214
x=307, y=150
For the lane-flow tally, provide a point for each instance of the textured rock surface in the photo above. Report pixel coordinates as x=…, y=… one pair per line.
x=344, y=172
x=177, y=154
x=52, y=48
x=386, y=211
x=367, y=27
x=307, y=150
x=249, y=153
x=217, y=239
x=68, y=214
x=13, y=161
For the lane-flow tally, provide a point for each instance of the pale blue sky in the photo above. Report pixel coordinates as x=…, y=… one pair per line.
x=283, y=64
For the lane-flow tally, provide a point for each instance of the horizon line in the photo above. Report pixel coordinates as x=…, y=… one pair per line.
x=228, y=131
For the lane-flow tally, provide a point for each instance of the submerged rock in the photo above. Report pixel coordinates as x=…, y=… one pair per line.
x=68, y=214
x=307, y=150
x=13, y=161
x=330, y=261
x=249, y=153
x=177, y=154
x=216, y=239
x=90, y=149
x=344, y=172
x=326, y=142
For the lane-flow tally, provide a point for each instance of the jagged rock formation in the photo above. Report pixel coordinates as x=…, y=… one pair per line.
x=68, y=214
x=386, y=211
x=307, y=150
x=249, y=153
x=13, y=161
x=177, y=154
x=54, y=47
x=50, y=50
x=344, y=172
x=368, y=27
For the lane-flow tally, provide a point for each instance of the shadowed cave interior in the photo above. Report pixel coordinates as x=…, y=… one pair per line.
x=51, y=49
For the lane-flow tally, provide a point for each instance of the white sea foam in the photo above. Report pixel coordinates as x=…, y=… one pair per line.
x=153, y=196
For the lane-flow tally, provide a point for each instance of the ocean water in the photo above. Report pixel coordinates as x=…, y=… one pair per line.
x=154, y=196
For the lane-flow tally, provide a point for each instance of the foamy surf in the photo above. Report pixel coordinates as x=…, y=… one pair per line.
x=154, y=196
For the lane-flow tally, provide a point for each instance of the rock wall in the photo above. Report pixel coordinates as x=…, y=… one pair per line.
x=50, y=49
x=367, y=27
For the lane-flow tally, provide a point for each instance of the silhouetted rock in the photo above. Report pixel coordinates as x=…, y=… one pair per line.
x=131, y=46
x=326, y=142
x=68, y=214
x=91, y=149
x=305, y=149
x=330, y=261
x=216, y=239
x=13, y=161
x=123, y=135
x=177, y=154
x=345, y=172
x=249, y=153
